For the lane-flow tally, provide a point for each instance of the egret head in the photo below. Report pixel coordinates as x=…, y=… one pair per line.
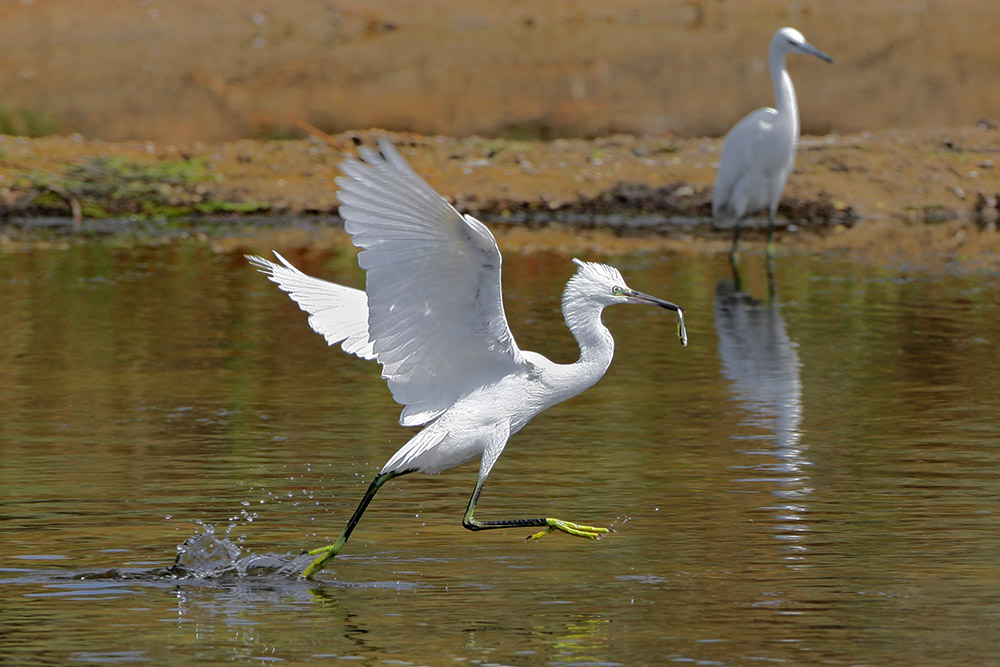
x=604, y=285
x=790, y=40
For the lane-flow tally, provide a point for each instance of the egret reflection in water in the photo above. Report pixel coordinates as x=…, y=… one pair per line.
x=762, y=364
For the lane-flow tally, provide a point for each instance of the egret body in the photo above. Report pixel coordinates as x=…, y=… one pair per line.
x=432, y=315
x=759, y=152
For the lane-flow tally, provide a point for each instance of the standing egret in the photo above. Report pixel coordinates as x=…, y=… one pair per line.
x=759, y=151
x=432, y=314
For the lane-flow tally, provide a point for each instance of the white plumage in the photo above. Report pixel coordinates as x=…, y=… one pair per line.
x=336, y=312
x=432, y=315
x=759, y=152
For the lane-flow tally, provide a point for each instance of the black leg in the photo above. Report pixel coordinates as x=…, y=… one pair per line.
x=770, y=235
x=469, y=522
x=327, y=553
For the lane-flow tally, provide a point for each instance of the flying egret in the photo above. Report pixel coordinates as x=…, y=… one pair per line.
x=759, y=151
x=432, y=315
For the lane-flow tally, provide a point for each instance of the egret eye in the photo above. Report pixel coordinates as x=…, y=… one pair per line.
x=617, y=291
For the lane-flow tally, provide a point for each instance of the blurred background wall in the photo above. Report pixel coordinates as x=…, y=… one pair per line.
x=208, y=70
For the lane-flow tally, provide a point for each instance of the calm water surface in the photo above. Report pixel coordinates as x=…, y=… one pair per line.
x=814, y=480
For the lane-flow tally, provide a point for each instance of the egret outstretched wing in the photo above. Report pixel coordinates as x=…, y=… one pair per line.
x=435, y=310
x=336, y=312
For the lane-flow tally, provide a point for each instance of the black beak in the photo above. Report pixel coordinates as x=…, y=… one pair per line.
x=639, y=297
x=813, y=51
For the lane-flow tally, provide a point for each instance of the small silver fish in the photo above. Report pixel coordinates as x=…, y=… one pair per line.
x=681, y=331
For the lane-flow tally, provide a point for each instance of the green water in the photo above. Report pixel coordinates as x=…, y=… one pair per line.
x=814, y=480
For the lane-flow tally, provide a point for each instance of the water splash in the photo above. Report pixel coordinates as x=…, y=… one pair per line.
x=208, y=555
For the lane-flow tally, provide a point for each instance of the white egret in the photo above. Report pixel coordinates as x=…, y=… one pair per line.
x=759, y=151
x=432, y=315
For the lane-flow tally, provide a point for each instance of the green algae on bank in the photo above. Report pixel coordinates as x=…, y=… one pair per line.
x=916, y=196
x=111, y=186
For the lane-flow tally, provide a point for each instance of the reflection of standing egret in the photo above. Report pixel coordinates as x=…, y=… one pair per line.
x=762, y=365
x=432, y=314
x=760, y=361
x=759, y=151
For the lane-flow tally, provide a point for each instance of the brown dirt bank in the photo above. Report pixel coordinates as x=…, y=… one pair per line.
x=920, y=198
x=204, y=70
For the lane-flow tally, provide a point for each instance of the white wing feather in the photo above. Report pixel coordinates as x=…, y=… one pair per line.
x=435, y=310
x=746, y=154
x=336, y=312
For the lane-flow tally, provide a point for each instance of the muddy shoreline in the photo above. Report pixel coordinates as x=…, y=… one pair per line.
x=920, y=198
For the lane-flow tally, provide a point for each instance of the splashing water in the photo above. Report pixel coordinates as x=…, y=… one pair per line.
x=207, y=555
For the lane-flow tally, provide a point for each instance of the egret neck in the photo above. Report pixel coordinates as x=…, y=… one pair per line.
x=784, y=92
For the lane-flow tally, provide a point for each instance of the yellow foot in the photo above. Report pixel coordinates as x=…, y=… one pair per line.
x=569, y=527
x=324, y=555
